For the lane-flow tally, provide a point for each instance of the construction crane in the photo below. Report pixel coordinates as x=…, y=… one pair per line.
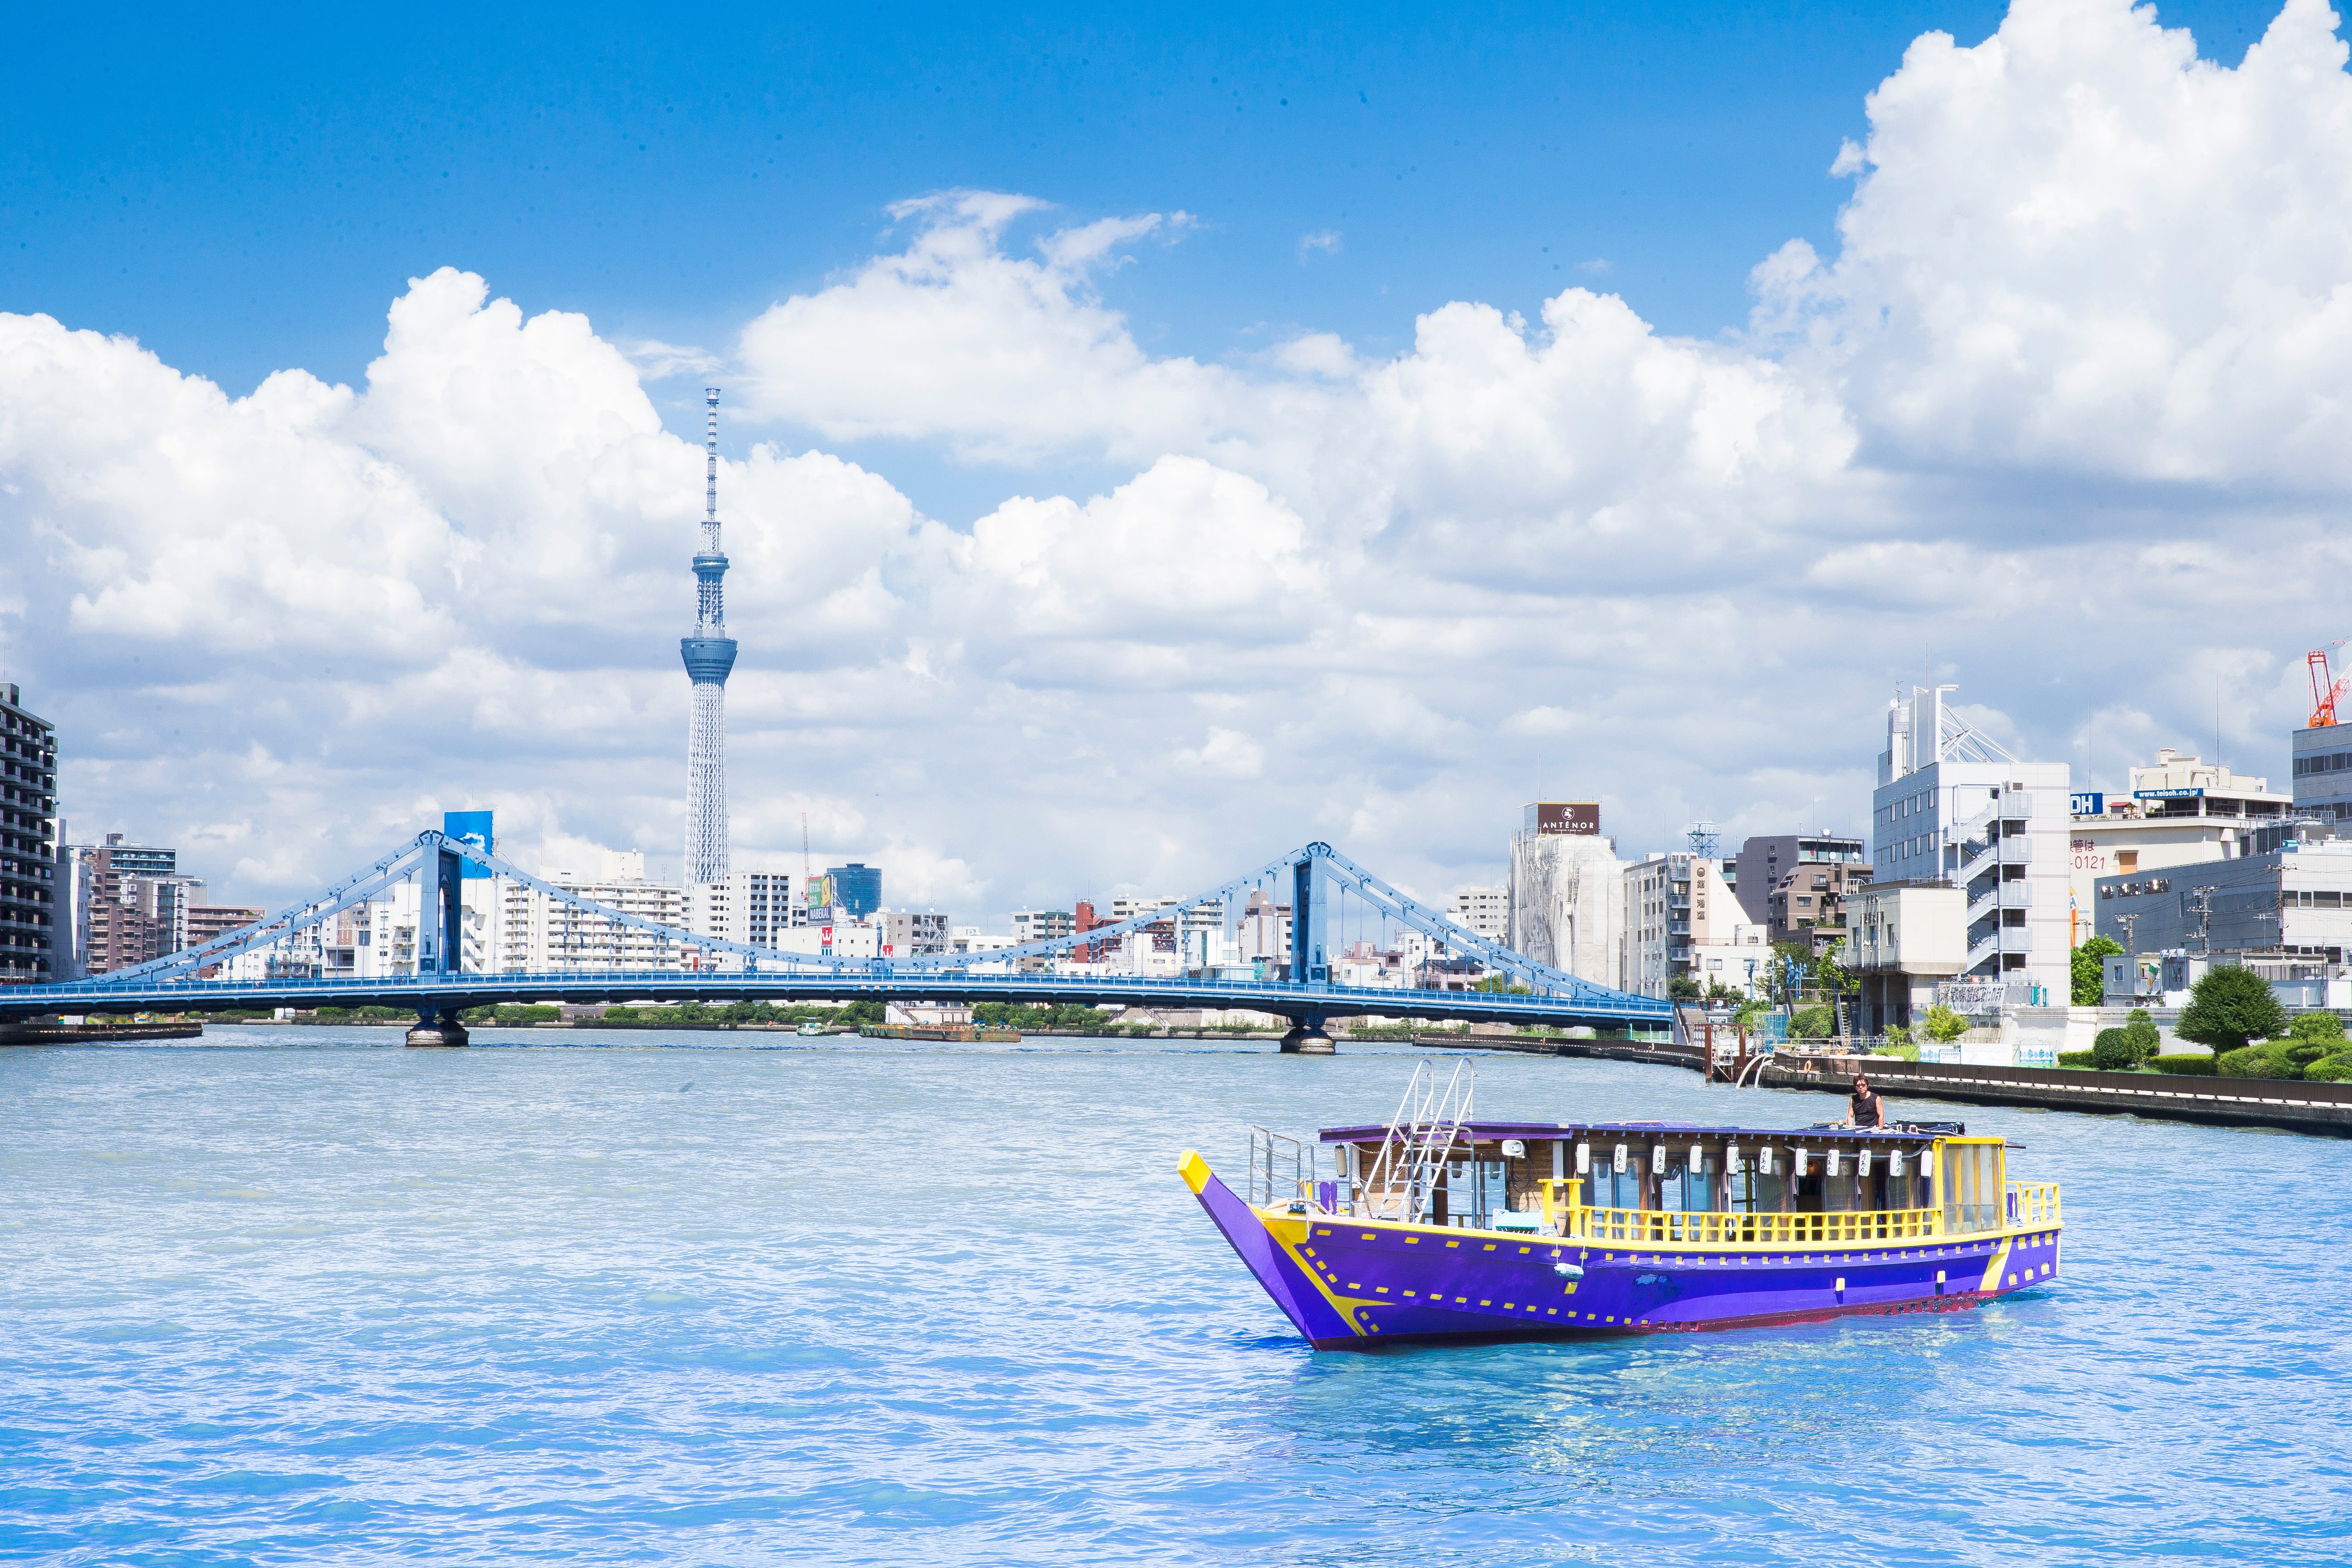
x=2325, y=688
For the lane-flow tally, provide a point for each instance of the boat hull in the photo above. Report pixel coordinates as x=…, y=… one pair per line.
x=1349, y=1284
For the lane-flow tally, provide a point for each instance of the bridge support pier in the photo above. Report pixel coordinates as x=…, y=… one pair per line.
x=437, y=1029
x=1306, y=1038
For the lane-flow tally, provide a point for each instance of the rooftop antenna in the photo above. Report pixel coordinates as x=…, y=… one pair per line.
x=1703, y=839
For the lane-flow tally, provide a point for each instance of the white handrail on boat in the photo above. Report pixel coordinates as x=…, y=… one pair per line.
x=1420, y=1136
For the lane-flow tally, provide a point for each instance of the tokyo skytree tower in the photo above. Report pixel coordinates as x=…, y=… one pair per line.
x=709, y=655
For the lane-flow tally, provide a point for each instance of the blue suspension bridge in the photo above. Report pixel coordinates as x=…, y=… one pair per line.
x=441, y=986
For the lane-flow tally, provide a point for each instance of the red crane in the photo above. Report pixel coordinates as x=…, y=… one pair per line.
x=2324, y=690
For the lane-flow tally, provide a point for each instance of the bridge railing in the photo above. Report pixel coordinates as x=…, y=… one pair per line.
x=1285, y=997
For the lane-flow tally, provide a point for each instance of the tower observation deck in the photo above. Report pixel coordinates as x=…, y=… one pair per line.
x=709, y=655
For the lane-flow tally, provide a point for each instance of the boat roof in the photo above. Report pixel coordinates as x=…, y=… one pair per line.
x=1488, y=1131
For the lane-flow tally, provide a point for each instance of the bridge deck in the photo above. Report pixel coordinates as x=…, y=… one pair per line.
x=435, y=993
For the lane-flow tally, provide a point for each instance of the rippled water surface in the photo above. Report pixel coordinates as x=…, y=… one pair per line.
x=283, y=1299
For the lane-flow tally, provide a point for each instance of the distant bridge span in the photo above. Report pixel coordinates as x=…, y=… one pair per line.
x=441, y=987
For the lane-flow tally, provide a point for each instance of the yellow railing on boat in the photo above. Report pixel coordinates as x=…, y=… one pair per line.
x=2030, y=1204
x=2033, y=1202
x=1667, y=1226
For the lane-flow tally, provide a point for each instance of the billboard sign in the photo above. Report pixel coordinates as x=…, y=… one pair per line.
x=2090, y=803
x=1575, y=816
x=470, y=828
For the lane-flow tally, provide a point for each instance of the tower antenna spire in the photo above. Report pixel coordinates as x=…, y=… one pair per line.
x=710, y=473
x=709, y=655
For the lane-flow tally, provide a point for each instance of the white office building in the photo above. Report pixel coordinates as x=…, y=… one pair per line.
x=2182, y=811
x=1953, y=806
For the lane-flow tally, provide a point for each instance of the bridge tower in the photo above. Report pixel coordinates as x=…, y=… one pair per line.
x=1311, y=958
x=709, y=657
x=440, y=941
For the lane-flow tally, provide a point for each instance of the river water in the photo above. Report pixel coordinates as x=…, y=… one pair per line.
x=289, y=1298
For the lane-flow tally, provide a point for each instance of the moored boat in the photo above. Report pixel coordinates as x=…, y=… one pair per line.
x=1441, y=1226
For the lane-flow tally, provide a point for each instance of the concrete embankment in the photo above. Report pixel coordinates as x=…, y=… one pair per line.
x=2322, y=1108
x=1658, y=1053
x=2325, y=1108
x=97, y=1034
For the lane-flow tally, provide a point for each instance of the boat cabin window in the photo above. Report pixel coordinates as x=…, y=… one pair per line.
x=1972, y=1184
x=1475, y=1191
x=1758, y=1192
x=1688, y=1188
x=1609, y=1188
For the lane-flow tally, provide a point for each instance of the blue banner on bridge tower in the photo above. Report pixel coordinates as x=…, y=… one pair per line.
x=472, y=827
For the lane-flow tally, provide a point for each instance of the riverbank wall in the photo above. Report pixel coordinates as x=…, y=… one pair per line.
x=2320, y=1107
x=97, y=1034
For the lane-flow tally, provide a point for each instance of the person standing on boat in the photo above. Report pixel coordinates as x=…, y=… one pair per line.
x=1866, y=1109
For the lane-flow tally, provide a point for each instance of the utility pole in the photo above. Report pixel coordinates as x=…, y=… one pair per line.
x=2200, y=904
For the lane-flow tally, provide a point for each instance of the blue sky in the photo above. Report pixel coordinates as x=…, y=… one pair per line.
x=1341, y=422
x=244, y=198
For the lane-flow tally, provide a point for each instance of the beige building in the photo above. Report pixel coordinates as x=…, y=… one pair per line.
x=2181, y=812
x=1681, y=916
x=1901, y=938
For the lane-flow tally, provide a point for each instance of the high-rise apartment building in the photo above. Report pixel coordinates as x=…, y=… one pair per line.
x=1766, y=859
x=748, y=907
x=28, y=847
x=1041, y=925
x=1485, y=912
x=122, y=904
x=536, y=934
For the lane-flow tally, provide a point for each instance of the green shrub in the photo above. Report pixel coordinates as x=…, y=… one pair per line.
x=2076, y=1058
x=2319, y=1029
x=1943, y=1026
x=2115, y=1050
x=2303, y=1055
x=2189, y=1065
x=1903, y=1049
x=2230, y=1008
x=2264, y=1060
x=1813, y=1024
x=2330, y=1069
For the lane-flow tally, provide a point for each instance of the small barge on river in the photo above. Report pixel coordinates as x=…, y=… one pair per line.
x=1442, y=1227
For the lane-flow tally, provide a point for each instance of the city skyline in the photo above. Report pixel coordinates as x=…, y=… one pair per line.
x=1241, y=594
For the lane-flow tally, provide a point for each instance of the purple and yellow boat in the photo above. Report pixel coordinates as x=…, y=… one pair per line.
x=1442, y=1227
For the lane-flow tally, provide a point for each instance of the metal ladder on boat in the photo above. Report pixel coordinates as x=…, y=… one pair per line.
x=1402, y=1182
